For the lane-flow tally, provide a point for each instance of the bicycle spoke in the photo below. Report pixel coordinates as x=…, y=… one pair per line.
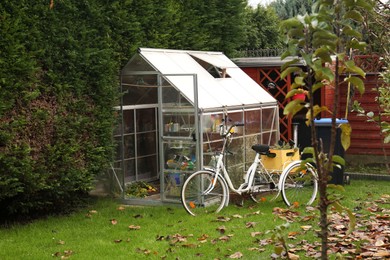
x=299, y=186
x=199, y=196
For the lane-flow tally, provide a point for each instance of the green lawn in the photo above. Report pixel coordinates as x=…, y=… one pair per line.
x=107, y=230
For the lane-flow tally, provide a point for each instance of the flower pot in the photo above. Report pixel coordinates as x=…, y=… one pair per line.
x=299, y=96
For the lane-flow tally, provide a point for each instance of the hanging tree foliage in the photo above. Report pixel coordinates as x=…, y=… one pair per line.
x=317, y=38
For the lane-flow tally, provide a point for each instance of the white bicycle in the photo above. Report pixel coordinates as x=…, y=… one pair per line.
x=207, y=191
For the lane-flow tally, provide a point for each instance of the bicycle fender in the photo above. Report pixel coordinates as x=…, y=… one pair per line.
x=286, y=170
x=209, y=169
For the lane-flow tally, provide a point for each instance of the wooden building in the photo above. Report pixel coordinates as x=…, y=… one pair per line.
x=366, y=139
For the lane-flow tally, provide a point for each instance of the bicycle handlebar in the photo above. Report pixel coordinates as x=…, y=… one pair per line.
x=230, y=128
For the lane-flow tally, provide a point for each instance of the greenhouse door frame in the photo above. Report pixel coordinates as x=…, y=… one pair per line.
x=122, y=179
x=163, y=138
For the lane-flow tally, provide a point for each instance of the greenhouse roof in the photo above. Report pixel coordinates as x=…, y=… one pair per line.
x=221, y=83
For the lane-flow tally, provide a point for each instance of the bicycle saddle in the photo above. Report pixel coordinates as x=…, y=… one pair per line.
x=261, y=148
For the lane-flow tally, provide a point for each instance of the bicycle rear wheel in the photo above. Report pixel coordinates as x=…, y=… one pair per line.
x=299, y=185
x=199, y=197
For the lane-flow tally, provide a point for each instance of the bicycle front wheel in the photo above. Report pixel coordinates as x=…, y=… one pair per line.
x=299, y=185
x=200, y=197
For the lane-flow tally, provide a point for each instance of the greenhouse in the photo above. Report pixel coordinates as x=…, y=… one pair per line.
x=173, y=103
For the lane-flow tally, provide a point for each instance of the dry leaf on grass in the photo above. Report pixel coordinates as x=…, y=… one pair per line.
x=236, y=255
x=134, y=227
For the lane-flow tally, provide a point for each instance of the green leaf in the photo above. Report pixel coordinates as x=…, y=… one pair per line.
x=322, y=34
x=285, y=55
x=387, y=139
x=324, y=54
x=278, y=250
x=347, y=30
x=309, y=160
x=338, y=207
x=355, y=44
x=308, y=58
x=351, y=67
x=367, y=5
x=346, y=135
x=288, y=71
x=290, y=23
x=354, y=15
x=289, y=63
x=299, y=81
x=319, y=42
x=308, y=150
x=293, y=107
x=357, y=83
x=317, y=86
x=316, y=110
x=338, y=159
x=324, y=73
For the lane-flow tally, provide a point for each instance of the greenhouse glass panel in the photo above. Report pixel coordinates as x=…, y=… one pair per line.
x=139, y=89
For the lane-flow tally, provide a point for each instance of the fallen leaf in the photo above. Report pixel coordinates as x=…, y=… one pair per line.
x=306, y=228
x=379, y=243
x=160, y=238
x=203, y=237
x=256, y=233
x=292, y=235
x=133, y=227
x=250, y=224
x=177, y=238
x=121, y=208
x=221, y=229
x=223, y=219
x=307, y=218
x=382, y=254
x=253, y=213
x=386, y=216
x=118, y=240
x=236, y=255
x=190, y=245
x=68, y=252
x=114, y=221
x=143, y=251
x=292, y=256
x=225, y=238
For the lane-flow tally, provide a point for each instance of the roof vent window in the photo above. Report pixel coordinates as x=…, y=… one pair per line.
x=214, y=71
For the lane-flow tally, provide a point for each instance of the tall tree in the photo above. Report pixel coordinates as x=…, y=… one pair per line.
x=289, y=8
x=317, y=38
x=263, y=29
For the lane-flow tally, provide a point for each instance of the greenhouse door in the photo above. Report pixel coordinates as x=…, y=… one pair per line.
x=140, y=155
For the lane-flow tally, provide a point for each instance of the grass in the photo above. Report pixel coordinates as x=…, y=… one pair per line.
x=367, y=169
x=101, y=231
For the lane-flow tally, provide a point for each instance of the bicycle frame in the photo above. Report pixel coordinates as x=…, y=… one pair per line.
x=249, y=176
